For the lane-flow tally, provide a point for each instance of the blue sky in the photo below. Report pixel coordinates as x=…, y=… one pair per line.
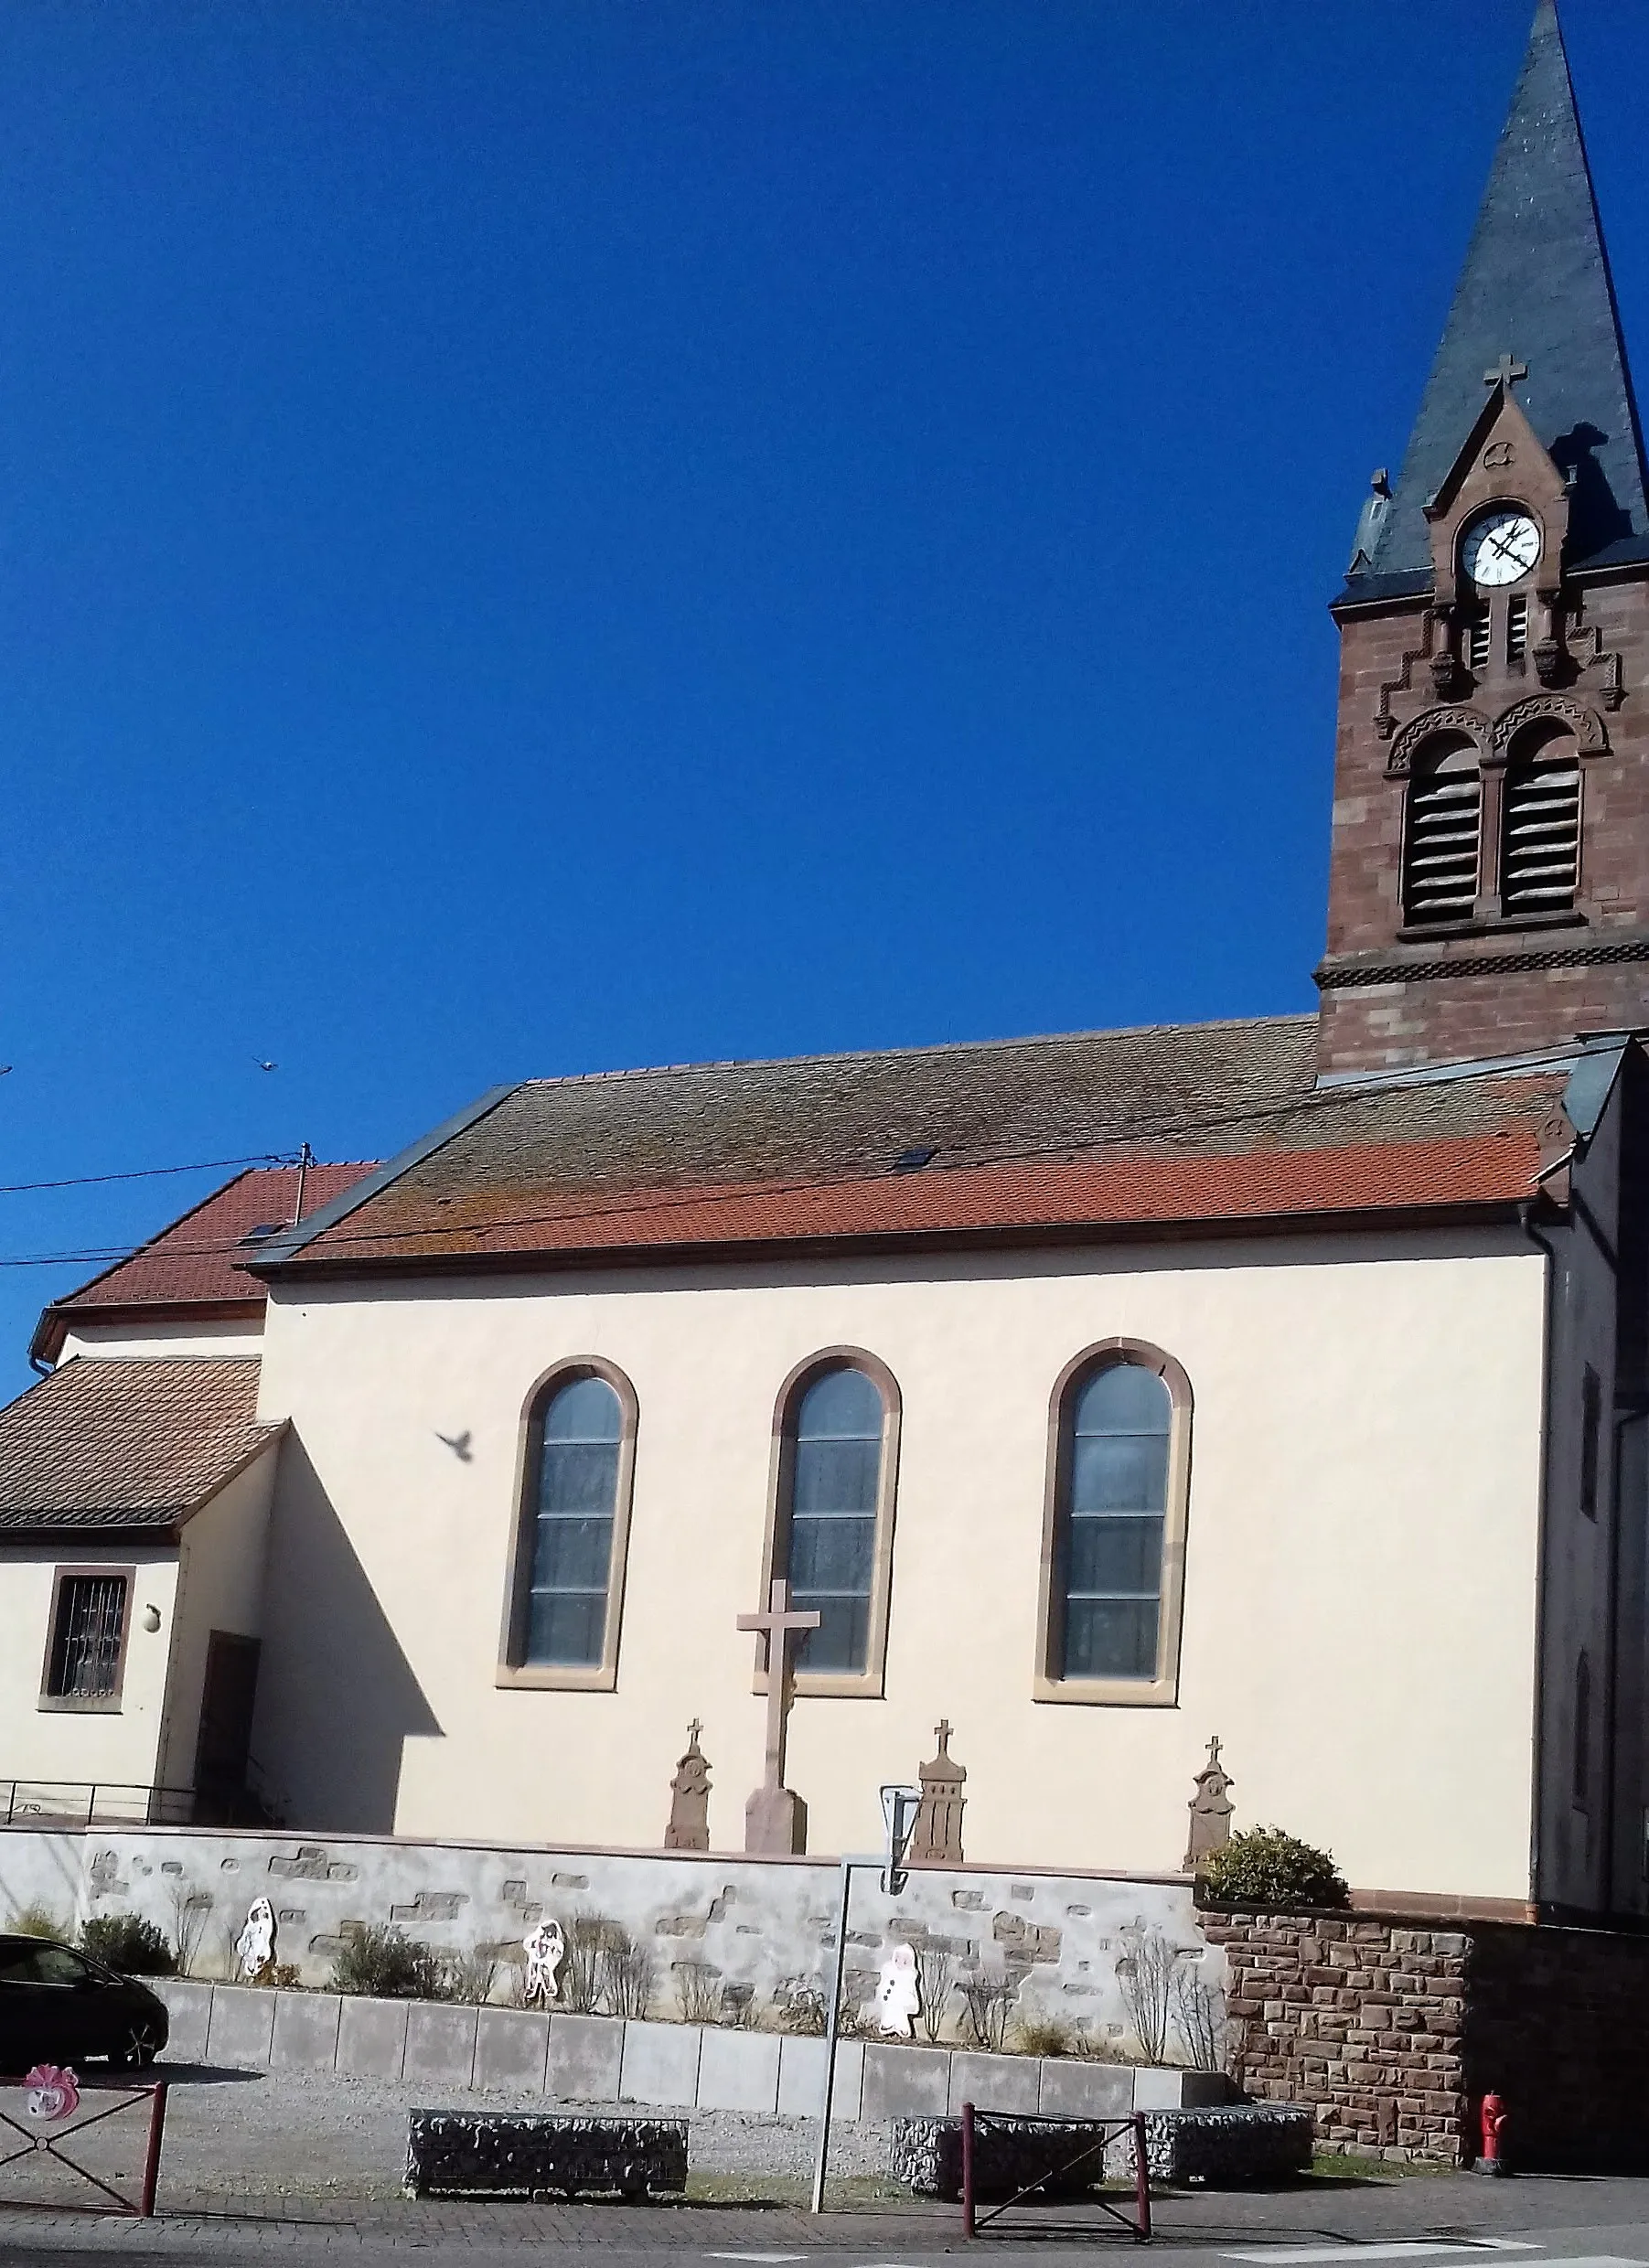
x=543, y=535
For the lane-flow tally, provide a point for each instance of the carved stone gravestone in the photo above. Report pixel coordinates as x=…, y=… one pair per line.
x=937, y=1839
x=689, y=1828
x=1211, y=1808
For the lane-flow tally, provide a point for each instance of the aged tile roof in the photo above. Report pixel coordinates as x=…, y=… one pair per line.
x=1535, y=284
x=113, y=1447
x=1171, y=1124
x=196, y=1262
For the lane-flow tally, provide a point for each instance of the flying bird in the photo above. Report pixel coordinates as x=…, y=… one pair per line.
x=265, y=1067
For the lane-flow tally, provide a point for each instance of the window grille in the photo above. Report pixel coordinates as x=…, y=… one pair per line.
x=835, y=1489
x=86, y=1638
x=1115, y=1513
x=1440, y=856
x=579, y=1436
x=1517, y=629
x=1539, y=866
x=1477, y=641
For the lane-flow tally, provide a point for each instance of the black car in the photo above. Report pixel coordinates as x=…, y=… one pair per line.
x=58, y=2005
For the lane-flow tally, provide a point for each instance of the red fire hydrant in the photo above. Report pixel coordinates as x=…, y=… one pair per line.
x=1494, y=2122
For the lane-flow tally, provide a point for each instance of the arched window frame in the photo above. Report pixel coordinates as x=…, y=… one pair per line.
x=1457, y=753
x=513, y=1669
x=1162, y=1690
x=1543, y=740
x=867, y=1684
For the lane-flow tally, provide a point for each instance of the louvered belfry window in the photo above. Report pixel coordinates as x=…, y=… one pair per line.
x=1440, y=854
x=1540, y=852
x=86, y=1638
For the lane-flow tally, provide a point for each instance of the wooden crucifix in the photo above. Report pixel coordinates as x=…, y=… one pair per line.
x=776, y=1818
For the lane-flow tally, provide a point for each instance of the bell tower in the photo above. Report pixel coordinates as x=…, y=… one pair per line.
x=1489, y=877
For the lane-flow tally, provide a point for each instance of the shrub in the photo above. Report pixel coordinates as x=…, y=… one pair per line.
x=35, y=1920
x=935, y=1975
x=578, y=1987
x=989, y=2000
x=1043, y=2035
x=624, y=1971
x=1263, y=1866
x=385, y=1964
x=470, y=1978
x=129, y=1943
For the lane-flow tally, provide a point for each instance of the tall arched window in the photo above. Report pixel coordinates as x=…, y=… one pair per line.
x=1114, y=1550
x=1442, y=846
x=562, y=1619
x=831, y=1534
x=1540, y=824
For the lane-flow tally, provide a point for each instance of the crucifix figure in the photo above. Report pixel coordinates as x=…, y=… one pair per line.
x=774, y=1818
x=1506, y=372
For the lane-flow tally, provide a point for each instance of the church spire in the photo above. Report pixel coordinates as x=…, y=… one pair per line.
x=1535, y=286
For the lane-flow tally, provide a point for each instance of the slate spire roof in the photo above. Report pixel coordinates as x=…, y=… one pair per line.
x=1536, y=285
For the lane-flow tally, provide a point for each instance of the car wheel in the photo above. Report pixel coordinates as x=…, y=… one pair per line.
x=140, y=2047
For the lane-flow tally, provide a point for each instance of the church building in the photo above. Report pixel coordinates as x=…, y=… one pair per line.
x=1282, y=1379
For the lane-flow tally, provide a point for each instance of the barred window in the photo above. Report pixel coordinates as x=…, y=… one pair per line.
x=88, y=1635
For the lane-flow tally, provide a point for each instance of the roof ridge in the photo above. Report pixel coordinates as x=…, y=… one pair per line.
x=936, y=1047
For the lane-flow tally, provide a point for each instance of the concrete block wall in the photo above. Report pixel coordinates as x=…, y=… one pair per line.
x=749, y=1930
x=574, y=2059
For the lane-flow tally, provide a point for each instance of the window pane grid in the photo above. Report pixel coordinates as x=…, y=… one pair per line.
x=566, y=1614
x=835, y=1487
x=1113, y=1524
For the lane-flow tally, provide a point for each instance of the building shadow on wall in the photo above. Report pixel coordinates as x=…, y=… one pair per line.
x=336, y=1700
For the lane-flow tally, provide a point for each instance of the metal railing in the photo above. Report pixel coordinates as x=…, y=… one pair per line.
x=84, y=1803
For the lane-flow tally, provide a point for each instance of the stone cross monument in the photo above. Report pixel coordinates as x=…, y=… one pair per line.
x=776, y=1818
x=1211, y=1808
x=689, y=1828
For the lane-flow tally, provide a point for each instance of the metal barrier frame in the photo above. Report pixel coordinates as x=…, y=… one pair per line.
x=1110, y=2130
x=40, y=2141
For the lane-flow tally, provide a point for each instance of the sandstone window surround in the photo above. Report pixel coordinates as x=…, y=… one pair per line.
x=573, y=1480
x=1163, y=1465
x=85, y=1664
x=831, y=1490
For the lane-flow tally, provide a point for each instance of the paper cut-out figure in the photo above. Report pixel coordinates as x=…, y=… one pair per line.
x=545, y=1950
x=898, y=2000
x=254, y=1948
x=52, y=2093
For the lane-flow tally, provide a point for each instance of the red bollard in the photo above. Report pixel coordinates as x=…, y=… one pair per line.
x=157, y=2126
x=968, y=2229
x=1492, y=2117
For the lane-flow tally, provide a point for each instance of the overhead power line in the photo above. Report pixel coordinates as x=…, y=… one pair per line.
x=150, y=1172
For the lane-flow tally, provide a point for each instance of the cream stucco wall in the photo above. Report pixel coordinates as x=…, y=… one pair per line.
x=171, y=1342
x=1360, y=1574
x=109, y=1745
x=220, y=1588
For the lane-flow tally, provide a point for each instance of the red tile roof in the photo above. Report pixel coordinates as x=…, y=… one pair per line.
x=109, y=1447
x=196, y=1262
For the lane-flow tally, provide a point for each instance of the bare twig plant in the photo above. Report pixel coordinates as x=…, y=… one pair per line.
x=191, y=1910
x=625, y=1972
x=989, y=2000
x=697, y=1988
x=1145, y=1973
x=935, y=1977
x=578, y=1989
x=470, y=1978
x=1199, y=2019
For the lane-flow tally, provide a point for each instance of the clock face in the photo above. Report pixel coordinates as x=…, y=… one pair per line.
x=1500, y=548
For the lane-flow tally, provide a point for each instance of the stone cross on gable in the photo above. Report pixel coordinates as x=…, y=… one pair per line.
x=776, y=1818
x=1506, y=372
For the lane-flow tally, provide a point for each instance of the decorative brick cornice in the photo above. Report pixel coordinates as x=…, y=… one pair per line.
x=1330, y=979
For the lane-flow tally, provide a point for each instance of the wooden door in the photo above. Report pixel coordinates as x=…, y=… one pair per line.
x=226, y=1705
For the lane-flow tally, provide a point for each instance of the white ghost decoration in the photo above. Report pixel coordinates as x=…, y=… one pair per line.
x=254, y=1947
x=898, y=2000
x=544, y=1950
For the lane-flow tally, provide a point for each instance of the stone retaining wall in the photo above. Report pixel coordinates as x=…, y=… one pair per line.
x=1394, y=2030
x=596, y=2059
x=748, y=1931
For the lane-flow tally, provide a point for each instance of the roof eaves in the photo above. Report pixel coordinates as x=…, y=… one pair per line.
x=273, y=1254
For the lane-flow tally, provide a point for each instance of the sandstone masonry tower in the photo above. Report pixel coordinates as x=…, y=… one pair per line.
x=1489, y=883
